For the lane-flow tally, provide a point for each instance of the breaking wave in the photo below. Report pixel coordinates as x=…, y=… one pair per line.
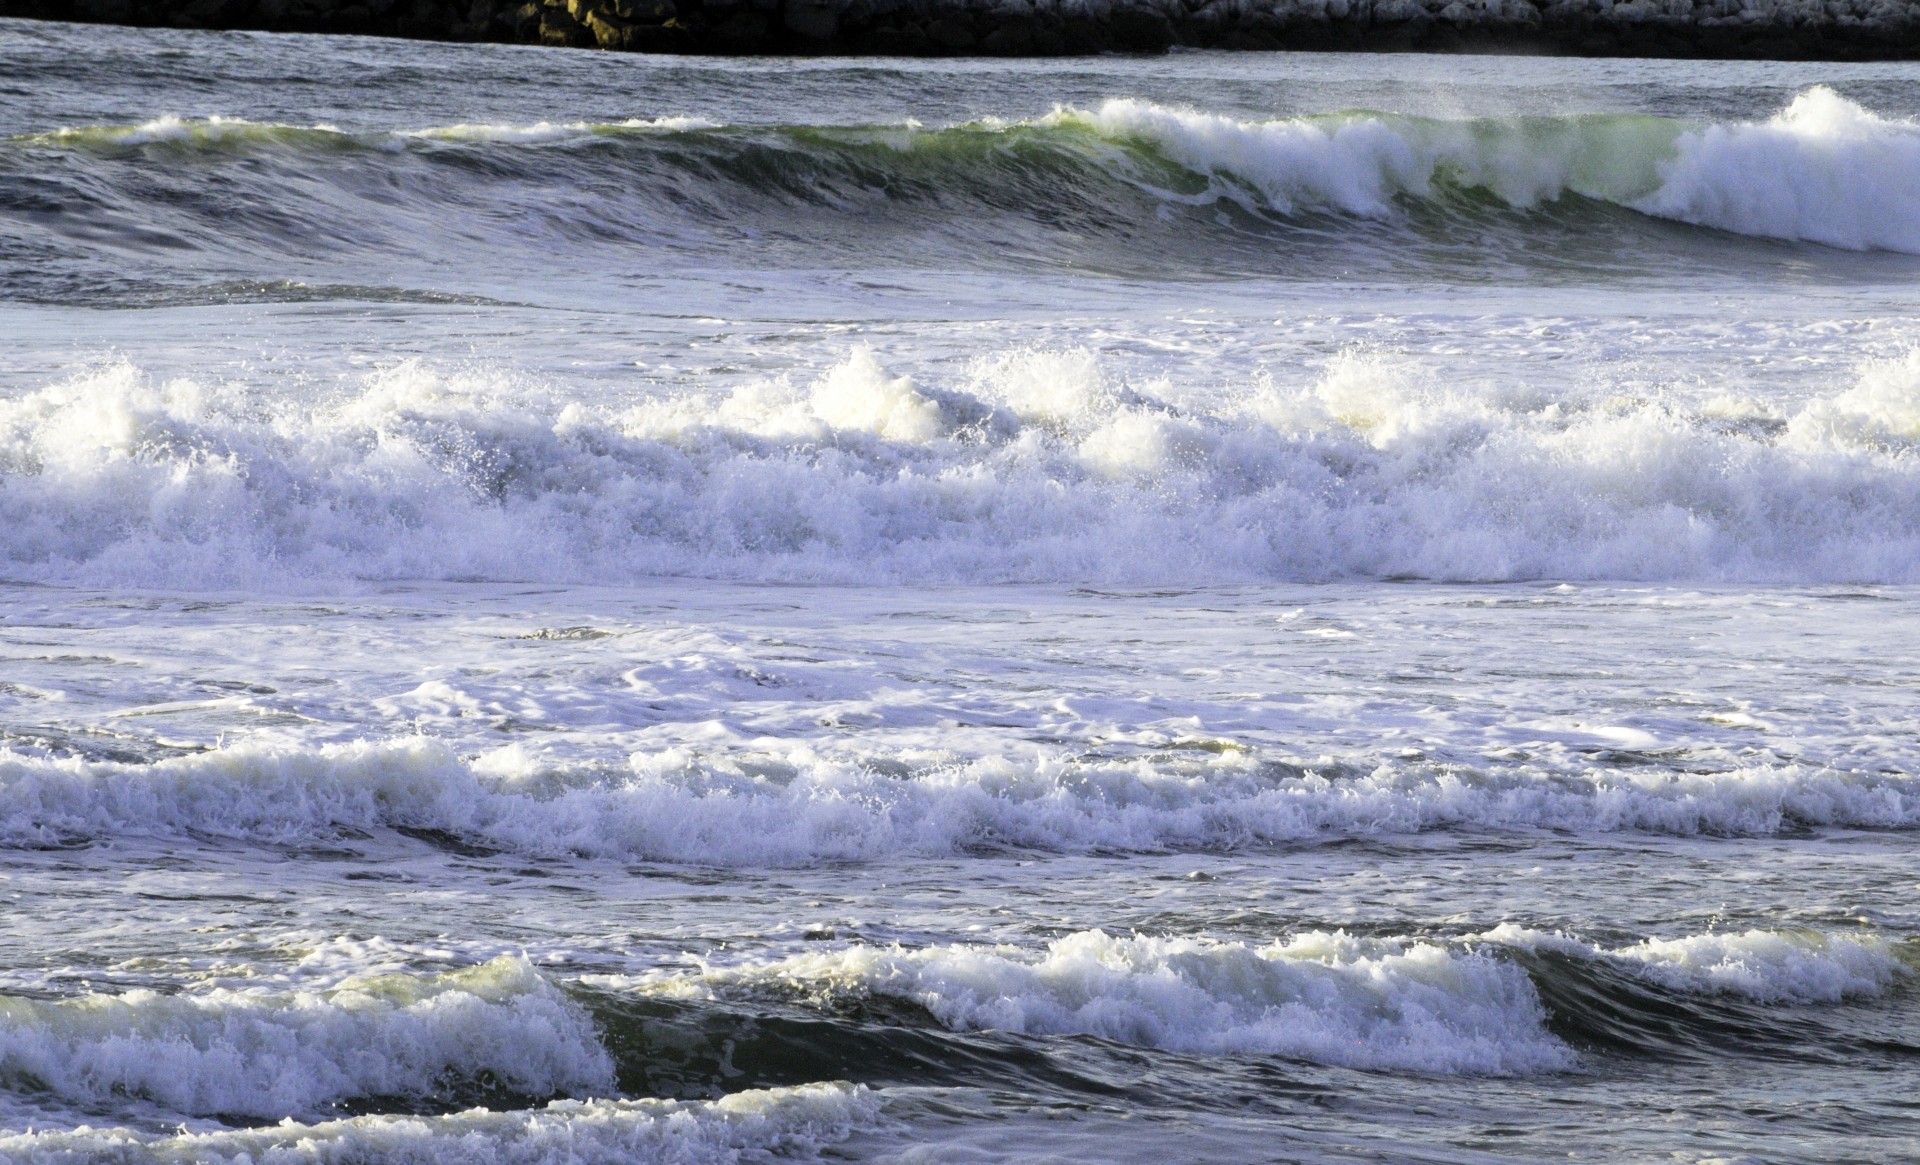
x=1327, y=998
x=273, y=1054
x=710, y=811
x=1766, y=966
x=106, y=213
x=1824, y=169
x=1472, y=1005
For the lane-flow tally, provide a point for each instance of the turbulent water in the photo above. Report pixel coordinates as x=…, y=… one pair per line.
x=567, y=607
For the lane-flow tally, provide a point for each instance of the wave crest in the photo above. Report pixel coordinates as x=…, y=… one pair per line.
x=1765, y=966
x=1824, y=170
x=264, y=1054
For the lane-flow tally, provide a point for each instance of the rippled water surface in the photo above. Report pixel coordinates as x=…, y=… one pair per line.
x=571, y=607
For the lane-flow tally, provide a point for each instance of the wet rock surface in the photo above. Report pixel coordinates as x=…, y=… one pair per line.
x=1783, y=29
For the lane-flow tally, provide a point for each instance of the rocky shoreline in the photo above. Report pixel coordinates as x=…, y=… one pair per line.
x=1775, y=29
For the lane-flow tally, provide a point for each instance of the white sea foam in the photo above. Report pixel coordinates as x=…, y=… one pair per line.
x=799, y=807
x=1768, y=966
x=1824, y=170
x=274, y=1054
x=1329, y=998
x=784, y=1123
x=1033, y=467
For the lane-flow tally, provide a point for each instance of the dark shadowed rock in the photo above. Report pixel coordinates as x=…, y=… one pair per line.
x=1139, y=30
x=1787, y=29
x=560, y=28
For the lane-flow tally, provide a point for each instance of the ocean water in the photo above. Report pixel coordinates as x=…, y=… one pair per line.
x=564, y=607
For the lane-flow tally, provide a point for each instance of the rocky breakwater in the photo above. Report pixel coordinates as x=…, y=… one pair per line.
x=1797, y=29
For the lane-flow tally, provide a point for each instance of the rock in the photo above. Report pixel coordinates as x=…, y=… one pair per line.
x=559, y=28
x=743, y=31
x=1140, y=30
x=812, y=19
x=200, y=14
x=608, y=33
x=889, y=41
x=518, y=23
x=1810, y=29
x=1013, y=39
x=670, y=37
x=951, y=35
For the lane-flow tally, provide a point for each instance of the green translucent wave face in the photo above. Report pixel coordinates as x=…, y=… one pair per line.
x=1521, y=162
x=1610, y=158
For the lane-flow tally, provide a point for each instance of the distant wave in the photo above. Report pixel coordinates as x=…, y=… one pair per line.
x=668, y=808
x=1823, y=170
x=1033, y=466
